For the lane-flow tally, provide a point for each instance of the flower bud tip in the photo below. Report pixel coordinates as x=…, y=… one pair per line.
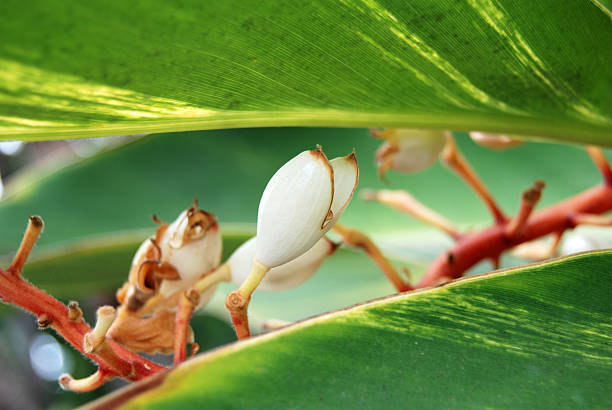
x=36, y=221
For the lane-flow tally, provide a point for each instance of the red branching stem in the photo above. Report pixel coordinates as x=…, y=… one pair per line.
x=35, y=226
x=493, y=241
x=592, y=219
x=195, y=348
x=187, y=303
x=557, y=236
x=601, y=162
x=240, y=320
x=356, y=238
x=112, y=358
x=237, y=304
x=454, y=160
x=528, y=202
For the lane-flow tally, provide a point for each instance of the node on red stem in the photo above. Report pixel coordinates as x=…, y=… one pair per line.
x=528, y=225
x=113, y=360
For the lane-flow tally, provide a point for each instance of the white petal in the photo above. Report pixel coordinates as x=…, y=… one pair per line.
x=575, y=242
x=192, y=259
x=346, y=178
x=494, y=141
x=413, y=150
x=293, y=208
x=283, y=277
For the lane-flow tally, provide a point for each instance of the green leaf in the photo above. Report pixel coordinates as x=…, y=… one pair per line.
x=537, y=336
x=78, y=69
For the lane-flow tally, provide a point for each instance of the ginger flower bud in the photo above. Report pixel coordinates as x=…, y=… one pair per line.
x=165, y=266
x=301, y=202
x=172, y=261
x=288, y=276
x=494, y=141
x=408, y=150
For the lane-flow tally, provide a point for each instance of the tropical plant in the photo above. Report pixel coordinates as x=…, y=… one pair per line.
x=534, y=70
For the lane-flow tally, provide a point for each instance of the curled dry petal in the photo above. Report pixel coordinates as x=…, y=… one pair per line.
x=300, y=203
x=178, y=255
x=163, y=267
x=408, y=150
x=283, y=277
x=494, y=141
x=149, y=334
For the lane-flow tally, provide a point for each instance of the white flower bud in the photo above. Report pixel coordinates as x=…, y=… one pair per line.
x=577, y=242
x=283, y=277
x=494, y=141
x=192, y=244
x=301, y=202
x=408, y=150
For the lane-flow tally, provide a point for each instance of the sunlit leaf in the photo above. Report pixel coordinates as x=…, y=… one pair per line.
x=536, y=336
x=78, y=69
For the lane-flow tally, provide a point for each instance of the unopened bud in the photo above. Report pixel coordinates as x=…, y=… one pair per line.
x=283, y=277
x=408, y=150
x=494, y=141
x=301, y=202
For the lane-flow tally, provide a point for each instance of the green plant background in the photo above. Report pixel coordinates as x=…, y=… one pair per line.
x=537, y=69
x=95, y=218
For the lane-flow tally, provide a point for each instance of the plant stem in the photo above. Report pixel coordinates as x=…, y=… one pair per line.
x=491, y=242
x=453, y=158
x=404, y=202
x=187, y=303
x=358, y=239
x=112, y=358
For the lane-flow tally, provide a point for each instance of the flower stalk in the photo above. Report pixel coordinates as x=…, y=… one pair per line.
x=113, y=359
x=301, y=202
x=505, y=233
x=493, y=241
x=453, y=158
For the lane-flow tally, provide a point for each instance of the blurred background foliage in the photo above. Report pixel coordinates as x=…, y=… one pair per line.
x=97, y=198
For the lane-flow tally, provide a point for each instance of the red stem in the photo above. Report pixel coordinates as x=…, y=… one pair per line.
x=111, y=356
x=471, y=248
x=186, y=306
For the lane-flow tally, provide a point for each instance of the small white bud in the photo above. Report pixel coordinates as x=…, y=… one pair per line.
x=408, y=150
x=301, y=202
x=577, y=242
x=494, y=141
x=283, y=277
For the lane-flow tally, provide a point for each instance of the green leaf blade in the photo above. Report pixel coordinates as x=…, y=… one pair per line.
x=536, y=336
x=507, y=66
